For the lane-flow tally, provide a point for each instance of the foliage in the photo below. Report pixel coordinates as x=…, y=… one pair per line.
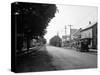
x=31, y=19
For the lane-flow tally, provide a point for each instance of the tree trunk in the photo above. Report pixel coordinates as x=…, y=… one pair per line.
x=28, y=43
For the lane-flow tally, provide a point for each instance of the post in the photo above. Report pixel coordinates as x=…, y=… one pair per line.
x=65, y=33
x=70, y=31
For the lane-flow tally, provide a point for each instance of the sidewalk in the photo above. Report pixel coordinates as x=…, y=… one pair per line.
x=25, y=51
x=92, y=51
x=30, y=62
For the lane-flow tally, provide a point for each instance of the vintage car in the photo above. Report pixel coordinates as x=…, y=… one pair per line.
x=83, y=44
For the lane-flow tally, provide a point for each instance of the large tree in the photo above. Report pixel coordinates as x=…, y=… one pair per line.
x=32, y=18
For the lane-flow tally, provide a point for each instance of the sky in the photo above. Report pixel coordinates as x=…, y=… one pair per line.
x=77, y=16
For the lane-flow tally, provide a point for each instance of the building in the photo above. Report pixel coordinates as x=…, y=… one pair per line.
x=73, y=32
x=56, y=41
x=77, y=34
x=75, y=37
x=66, y=39
x=91, y=33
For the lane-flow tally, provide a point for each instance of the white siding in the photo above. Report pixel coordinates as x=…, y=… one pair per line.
x=86, y=33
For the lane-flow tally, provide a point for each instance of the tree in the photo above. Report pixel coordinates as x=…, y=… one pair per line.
x=32, y=18
x=44, y=41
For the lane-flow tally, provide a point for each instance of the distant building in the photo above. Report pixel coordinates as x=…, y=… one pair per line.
x=75, y=37
x=56, y=41
x=66, y=38
x=72, y=32
x=77, y=34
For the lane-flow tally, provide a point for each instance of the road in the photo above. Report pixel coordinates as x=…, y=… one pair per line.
x=50, y=58
x=64, y=59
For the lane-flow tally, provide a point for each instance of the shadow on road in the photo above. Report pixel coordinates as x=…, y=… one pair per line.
x=39, y=61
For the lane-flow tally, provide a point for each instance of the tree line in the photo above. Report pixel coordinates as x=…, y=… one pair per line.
x=31, y=20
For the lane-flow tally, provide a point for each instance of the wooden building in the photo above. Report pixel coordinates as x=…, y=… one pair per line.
x=91, y=33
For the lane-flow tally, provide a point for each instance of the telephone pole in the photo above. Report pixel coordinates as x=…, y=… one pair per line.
x=70, y=31
x=65, y=33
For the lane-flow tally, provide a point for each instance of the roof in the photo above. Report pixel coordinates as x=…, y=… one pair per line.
x=89, y=26
x=73, y=31
x=65, y=36
x=77, y=32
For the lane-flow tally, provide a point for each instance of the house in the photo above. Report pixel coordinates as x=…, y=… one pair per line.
x=91, y=33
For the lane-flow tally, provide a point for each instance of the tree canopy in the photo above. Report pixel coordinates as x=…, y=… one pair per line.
x=33, y=18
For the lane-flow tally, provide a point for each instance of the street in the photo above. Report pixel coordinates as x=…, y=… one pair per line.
x=65, y=59
x=50, y=58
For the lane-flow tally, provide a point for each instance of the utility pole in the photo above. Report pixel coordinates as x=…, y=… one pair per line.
x=70, y=31
x=65, y=33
